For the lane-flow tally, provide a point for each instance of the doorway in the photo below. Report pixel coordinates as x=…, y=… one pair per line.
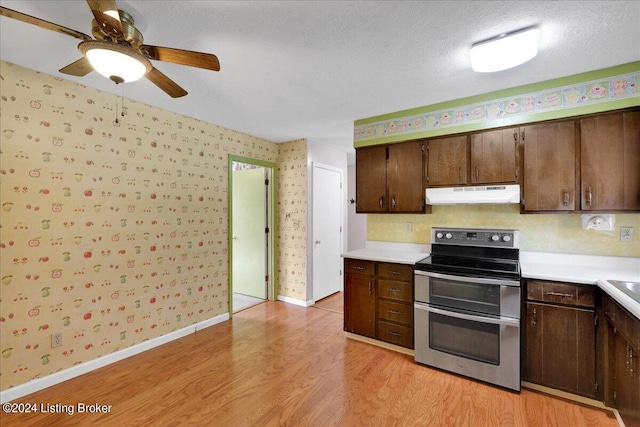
x=251, y=232
x=327, y=231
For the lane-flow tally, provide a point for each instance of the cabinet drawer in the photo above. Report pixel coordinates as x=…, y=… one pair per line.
x=358, y=266
x=395, y=334
x=395, y=312
x=401, y=272
x=561, y=293
x=399, y=291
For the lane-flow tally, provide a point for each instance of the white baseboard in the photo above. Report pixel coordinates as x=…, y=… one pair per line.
x=296, y=301
x=83, y=368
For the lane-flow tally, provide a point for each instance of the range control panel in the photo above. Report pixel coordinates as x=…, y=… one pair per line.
x=476, y=237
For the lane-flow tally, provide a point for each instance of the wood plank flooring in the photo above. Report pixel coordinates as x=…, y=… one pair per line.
x=278, y=364
x=333, y=303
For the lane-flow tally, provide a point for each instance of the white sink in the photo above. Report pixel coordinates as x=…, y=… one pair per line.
x=630, y=288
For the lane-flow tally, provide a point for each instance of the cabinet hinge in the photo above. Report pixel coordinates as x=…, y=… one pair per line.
x=522, y=135
x=266, y=230
x=266, y=181
x=266, y=278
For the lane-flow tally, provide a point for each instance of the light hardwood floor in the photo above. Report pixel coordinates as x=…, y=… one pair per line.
x=278, y=364
x=333, y=303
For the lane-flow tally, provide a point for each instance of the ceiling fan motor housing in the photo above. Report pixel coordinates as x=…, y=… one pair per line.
x=130, y=33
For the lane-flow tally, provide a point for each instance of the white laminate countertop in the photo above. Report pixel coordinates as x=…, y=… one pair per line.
x=399, y=253
x=586, y=269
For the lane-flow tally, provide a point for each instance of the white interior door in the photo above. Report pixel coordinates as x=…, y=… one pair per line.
x=327, y=231
x=249, y=238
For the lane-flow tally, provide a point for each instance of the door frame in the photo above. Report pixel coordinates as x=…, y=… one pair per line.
x=312, y=239
x=272, y=238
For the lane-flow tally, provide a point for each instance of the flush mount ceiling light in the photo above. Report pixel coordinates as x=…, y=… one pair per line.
x=119, y=63
x=505, y=51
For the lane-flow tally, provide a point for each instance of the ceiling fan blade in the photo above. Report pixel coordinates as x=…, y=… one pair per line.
x=42, y=23
x=79, y=68
x=165, y=83
x=207, y=61
x=107, y=15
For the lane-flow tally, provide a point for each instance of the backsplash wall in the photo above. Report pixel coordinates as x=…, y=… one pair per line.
x=111, y=233
x=557, y=233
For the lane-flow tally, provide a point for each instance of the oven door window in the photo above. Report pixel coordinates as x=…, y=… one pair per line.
x=465, y=338
x=480, y=298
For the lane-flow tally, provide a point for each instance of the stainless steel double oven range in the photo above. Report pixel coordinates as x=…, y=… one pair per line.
x=467, y=305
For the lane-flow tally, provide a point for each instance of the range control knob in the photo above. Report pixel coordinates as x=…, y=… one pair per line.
x=439, y=235
x=506, y=239
x=448, y=235
x=495, y=237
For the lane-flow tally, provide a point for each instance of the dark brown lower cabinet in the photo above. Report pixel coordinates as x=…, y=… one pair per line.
x=378, y=301
x=560, y=348
x=622, y=350
x=360, y=298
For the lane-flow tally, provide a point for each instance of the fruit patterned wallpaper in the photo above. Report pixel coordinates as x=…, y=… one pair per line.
x=110, y=233
x=292, y=214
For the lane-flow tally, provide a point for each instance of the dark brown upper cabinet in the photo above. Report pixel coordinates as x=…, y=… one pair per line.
x=610, y=162
x=371, y=179
x=494, y=156
x=549, y=182
x=389, y=178
x=447, y=161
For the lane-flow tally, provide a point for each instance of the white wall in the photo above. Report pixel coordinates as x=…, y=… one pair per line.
x=357, y=231
x=321, y=153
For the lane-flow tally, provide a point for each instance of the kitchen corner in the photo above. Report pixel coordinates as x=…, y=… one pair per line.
x=585, y=269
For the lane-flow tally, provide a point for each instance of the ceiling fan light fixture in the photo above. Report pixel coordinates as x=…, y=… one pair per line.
x=116, y=62
x=505, y=51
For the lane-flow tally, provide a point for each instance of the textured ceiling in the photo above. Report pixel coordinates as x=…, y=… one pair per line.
x=308, y=69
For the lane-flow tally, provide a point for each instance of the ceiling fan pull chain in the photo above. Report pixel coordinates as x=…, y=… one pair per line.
x=116, y=122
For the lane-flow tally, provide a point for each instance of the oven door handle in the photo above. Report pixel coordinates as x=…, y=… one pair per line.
x=484, y=281
x=505, y=321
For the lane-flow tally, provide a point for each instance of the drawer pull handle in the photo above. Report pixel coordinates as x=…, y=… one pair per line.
x=394, y=290
x=397, y=273
x=358, y=268
x=395, y=334
x=394, y=312
x=560, y=294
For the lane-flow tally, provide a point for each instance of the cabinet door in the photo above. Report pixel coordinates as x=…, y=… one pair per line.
x=447, y=161
x=610, y=159
x=360, y=305
x=493, y=156
x=560, y=348
x=371, y=180
x=404, y=177
x=626, y=383
x=549, y=167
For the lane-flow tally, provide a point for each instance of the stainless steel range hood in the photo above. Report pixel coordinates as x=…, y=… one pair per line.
x=495, y=194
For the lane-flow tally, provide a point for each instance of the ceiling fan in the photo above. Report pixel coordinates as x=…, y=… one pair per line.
x=117, y=50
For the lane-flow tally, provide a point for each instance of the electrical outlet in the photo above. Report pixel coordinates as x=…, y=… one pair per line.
x=408, y=227
x=626, y=234
x=56, y=339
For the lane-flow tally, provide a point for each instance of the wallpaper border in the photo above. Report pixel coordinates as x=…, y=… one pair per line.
x=595, y=91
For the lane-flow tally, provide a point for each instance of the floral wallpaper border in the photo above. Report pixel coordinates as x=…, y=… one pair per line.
x=553, y=99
